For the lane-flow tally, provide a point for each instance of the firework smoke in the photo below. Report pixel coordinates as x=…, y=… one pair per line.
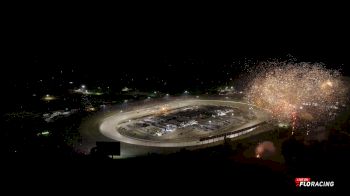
x=291, y=91
x=265, y=149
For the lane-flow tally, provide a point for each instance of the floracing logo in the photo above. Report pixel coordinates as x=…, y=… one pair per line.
x=307, y=182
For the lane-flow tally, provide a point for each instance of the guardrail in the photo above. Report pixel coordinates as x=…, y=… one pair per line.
x=230, y=133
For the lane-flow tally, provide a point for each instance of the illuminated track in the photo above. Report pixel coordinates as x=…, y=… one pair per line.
x=103, y=127
x=109, y=126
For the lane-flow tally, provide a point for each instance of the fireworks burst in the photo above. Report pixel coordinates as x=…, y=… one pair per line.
x=306, y=92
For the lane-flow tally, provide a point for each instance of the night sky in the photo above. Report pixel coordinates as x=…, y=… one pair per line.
x=43, y=52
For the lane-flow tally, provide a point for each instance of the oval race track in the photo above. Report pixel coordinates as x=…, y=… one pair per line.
x=105, y=127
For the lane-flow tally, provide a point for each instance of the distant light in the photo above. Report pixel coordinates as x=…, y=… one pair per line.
x=34, y=95
x=90, y=109
x=48, y=98
x=167, y=94
x=186, y=92
x=70, y=82
x=155, y=92
x=44, y=133
x=125, y=101
x=148, y=97
x=125, y=89
x=197, y=96
x=83, y=86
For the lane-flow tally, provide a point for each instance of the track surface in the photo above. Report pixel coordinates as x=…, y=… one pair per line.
x=103, y=127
